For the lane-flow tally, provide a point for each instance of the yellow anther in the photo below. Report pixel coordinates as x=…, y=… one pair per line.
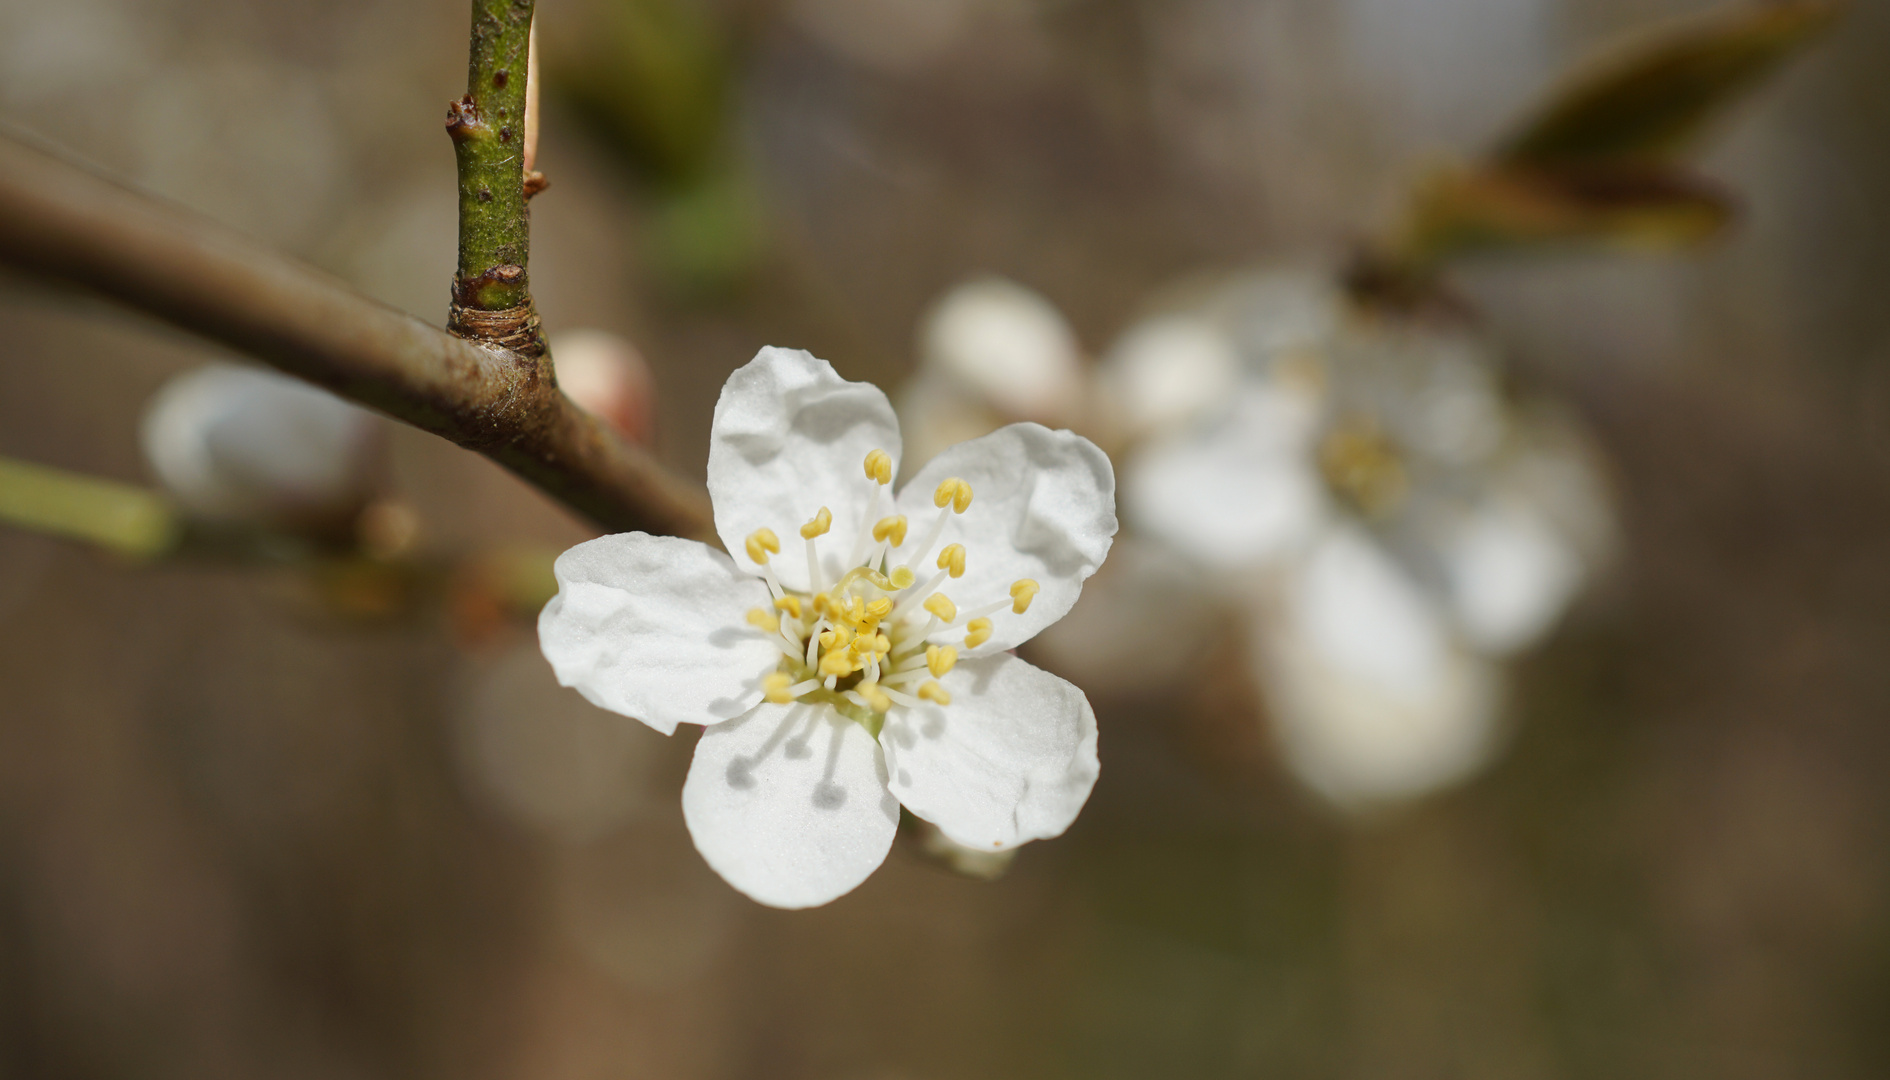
x=836, y=638
x=977, y=632
x=822, y=603
x=893, y=527
x=1022, y=592
x=775, y=685
x=879, y=467
x=762, y=619
x=930, y=690
x=953, y=491
x=762, y=543
x=952, y=560
x=836, y=662
x=856, y=611
x=874, y=696
x=789, y=604
x=939, y=605
x=882, y=644
x=879, y=609
x=940, y=659
x=902, y=578
x=819, y=525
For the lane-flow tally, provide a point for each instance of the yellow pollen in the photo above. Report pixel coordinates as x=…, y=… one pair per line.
x=762, y=543
x=938, y=604
x=880, y=608
x=856, y=611
x=762, y=619
x=930, y=690
x=836, y=638
x=940, y=659
x=789, y=604
x=822, y=603
x=819, y=525
x=836, y=663
x=977, y=632
x=874, y=696
x=1022, y=592
x=953, y=491
x=879, y=467
x=893, y=527
x=775, y=685
x=882, y=644
x=952, y=560
x=902, y=578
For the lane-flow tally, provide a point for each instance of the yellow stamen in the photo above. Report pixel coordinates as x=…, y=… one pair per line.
x=894, y=527
x=879, y=609
x=836, y=662
x=819, y=525
x=1022, y=592
x=977, y=632
x=953, y=491
x=902, y=578
x=940, y=659
x=874, y=696
x=939, y=605
x=775, y=685
x=762, y=619
x=952, y=560
x=789, y=604
x=879, y=467
x=882, y=644
x=762, y=543
x=838, y=637
x=930, y=690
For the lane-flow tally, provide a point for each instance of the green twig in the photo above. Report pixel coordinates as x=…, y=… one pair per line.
x=492, y=290
x=125, y=519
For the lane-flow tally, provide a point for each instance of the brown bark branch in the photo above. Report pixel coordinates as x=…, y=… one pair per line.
x=61, y=222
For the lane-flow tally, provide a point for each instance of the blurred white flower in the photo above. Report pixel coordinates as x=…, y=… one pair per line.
x=1402, y=526
x=991, y=352
x=244, y=445
x=607, y=375
x=832, y=686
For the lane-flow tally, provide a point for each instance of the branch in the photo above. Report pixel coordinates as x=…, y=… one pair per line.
x=492, y=298
x=61, y=222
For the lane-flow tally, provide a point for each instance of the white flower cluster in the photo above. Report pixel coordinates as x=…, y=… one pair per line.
x=1390, y=523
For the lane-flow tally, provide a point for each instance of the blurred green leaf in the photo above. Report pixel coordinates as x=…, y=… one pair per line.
x=1651, y=99
x=1458, y=212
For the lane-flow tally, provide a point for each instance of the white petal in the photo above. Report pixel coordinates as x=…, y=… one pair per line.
x=789, y=804
x=789, y=437
x=1011, y=759
x=243, y=444
x=1240, y=494
x=652, y=627
x=1167, y=372
x=1043, y=507
x=1510, y=576
x=1009, y=347
x=1371, y=699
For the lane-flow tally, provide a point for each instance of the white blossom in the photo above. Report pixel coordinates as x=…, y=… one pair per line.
x=867, y=666
x=242, y=444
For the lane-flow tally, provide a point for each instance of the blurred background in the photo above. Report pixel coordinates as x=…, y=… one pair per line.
x=249, y=828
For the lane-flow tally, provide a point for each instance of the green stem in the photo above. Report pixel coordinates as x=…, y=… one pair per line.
x=488, y=131
x=122, y=518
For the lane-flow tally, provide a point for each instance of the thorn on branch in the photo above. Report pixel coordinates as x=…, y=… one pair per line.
x=535, y=182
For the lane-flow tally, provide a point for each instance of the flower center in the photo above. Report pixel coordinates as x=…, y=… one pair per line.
x=1362, y=463
x=879, y=636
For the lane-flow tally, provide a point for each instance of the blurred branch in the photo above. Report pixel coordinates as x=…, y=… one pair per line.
x=492, y=298
x=118, y=517
x=61, y=222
